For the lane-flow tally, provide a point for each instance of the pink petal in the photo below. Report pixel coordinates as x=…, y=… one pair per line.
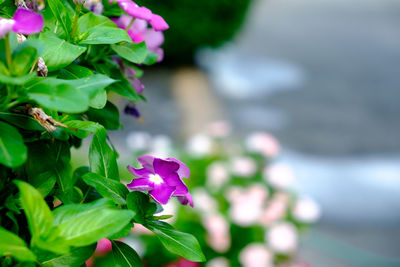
x=160, y=53
x=147, y=162
x=162, y=193
x=137, y=84
x=158, y=23
x=27, y=22
x=183, y=170
x=134, y=10
x=135, y=36
x=184, y=200
x=174, y=181
x=164, y=168
x=139, y=173
x=154, y=39
x=142, y=184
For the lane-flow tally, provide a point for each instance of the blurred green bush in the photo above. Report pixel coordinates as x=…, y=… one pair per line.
x=195, y=24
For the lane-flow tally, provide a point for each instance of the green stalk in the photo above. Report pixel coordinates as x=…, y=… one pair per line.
x=130, y=24
x=8, y=51
x=78, y=10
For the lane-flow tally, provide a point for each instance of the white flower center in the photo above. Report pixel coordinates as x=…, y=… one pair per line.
x=155, y=178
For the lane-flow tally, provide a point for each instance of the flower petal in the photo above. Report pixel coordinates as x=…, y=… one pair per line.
x=183, y=170
x=162, y=193
x=139, y=173
x=158, y=23
x=27, y=21
x=153, y=38
x=164, y=168
x=137, y=84
x=6, y=26
x=147, y=162
x=141, y=184
x=184, y=200
x=174, y=180
x=134, y=10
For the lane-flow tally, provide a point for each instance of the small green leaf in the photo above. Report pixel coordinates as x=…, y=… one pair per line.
x=177, y=242
x=44, y=182
x=16, y=80
x=133, y=52
x=89, y=227
x=13, y=245
x=85, y=128
x=75, y=258
x=62, y=13
x=108, y=116
x=102, y=158
x=141, y=205
x=61, y=97
x=13, y=151
x=105, y=35
x=108, y=188
x=23, y=61
x=59, y=53
x=21, y=121
x=90, y=21
x=124, y=255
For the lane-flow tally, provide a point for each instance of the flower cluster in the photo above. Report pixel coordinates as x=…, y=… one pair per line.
x=162, y=178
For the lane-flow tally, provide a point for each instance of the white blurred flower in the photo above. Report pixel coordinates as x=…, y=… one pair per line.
x=276, y=209
x=243, y=166
x=263, y=143
x=219, y=129
x=161, y=146
x=247, y=204
x=199, y=145
x=204, y=202
x=218, y=262
x=138, y=141
x=306, y=210
x=279, y=175
x=256, y=255
x=218, y=235
x=217, y=175
x=282, y=237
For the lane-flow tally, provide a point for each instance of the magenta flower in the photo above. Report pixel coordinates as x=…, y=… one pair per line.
x=130, y=7
x=162, y=178
x=139, y=32
x=24, y=21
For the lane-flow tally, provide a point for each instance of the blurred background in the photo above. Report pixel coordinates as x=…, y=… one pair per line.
x=322, y=76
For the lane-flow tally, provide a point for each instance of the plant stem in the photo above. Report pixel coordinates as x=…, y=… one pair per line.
x=130, y=24
x=8, y=50
x=78, y=9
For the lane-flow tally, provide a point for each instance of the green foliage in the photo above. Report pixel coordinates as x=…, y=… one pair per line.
x=51, y=214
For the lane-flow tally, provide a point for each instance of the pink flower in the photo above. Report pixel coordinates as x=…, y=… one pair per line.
x=139, y=32
x=282, y=237
x=256, y=255
x=263, y=143
x=218, y=235
x=24, y=21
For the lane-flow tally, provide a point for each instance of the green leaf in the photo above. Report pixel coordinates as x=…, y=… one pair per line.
x=13, y=151
x=177, y=242
x=59, y=53
x=21, y=121
x=124, y=88
x=133, y=52
x=63, y=15
x=74, y=71
x=44, y=182
x=40, y=219
x=124, y=255
x=85, y=128
x=23, y=61
x=16, y=80
x=151, y=58
x=89, y=227
x=105, y=35
x=108, y=116
x=90, y=21
x=70, y=211
x=62, y=97
x=141, y=205
x=102, y=158
x=75, y=258
x=13, y=245
x=106, y=187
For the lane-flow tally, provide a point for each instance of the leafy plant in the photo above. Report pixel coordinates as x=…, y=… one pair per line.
x=59, y=62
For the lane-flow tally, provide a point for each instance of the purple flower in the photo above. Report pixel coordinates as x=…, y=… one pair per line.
x=139, y=32
x=131, y=109
x=24, y=21
x=130, y=7
x=162, y=178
